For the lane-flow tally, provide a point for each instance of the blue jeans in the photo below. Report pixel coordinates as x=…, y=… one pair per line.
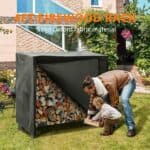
x=126, y=93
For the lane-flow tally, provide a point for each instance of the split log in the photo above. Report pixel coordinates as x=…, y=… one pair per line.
x=53, y=106
x=91, y=122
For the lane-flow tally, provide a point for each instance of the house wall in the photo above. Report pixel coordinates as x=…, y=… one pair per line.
x=113, y=6
x=110, y=6
x=120, y=6
x=28, y=41
x=8, y=7
x=75, y=5
x=22, y=40
x=8, y=43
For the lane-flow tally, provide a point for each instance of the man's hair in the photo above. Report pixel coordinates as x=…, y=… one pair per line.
x=88, y=81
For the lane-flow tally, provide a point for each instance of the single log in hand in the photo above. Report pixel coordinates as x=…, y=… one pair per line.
x=91, y=122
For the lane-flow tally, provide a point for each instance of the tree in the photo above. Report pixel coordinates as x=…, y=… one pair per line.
x=132, y=7
x=100, y=38
x=141, y=36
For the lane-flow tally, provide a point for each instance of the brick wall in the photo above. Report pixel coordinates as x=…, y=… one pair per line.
x=75, y=5
x=113, y=6
x=110, y=6
x=121, y=5
x=7, y=65
x=28, y=41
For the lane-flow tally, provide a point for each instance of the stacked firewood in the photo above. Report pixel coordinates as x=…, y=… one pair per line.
x=53, y=106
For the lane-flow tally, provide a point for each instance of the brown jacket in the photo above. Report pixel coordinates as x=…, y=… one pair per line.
x=113, y=81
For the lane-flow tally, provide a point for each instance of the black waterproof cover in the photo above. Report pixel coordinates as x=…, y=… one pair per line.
x=67, y=69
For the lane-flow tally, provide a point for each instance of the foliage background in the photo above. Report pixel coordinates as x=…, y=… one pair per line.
x=105, y=42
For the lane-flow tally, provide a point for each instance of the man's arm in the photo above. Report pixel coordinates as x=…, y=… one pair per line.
x=113, y=95
x=97, y=117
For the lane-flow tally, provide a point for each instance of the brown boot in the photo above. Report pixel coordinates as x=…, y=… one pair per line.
x=101, y=123
x=110, y=124
x=111, y=129
x=107, y=128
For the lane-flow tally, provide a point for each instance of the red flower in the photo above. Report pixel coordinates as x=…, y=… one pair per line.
x=126, y=34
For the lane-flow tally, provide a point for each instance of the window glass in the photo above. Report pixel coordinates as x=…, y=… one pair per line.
x=41, y=6
x=54, y=34
x=48, y=6
x=71, y=39
x=24, y=6
x=51, y=33
x=94, y=2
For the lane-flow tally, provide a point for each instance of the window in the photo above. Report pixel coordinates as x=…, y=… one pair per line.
x=51, y=33
x=41, y=6
x=71, y=39
x=48, y=6
x=63, y=36
x=24, y=6
x=96, y=3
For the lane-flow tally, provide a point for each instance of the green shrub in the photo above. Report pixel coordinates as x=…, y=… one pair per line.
x=9, y=77
x=144, y=66
x=100, y=38
x=103, y=45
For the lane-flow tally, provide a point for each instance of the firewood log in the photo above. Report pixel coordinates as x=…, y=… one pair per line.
x=91, y=123
x=53, y=106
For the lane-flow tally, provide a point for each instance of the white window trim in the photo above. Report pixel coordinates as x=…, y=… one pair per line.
x=63, y=38
x=100, y=4
x=34, y=9
x=79, y=45
x=33, y=6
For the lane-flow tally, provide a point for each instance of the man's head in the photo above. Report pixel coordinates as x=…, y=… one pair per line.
x=98, y=102
x=88, y=85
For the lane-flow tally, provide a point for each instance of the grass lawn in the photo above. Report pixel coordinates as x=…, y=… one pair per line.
x=80, y=137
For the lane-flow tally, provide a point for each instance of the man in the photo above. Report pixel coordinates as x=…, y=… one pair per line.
x=109, y=86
